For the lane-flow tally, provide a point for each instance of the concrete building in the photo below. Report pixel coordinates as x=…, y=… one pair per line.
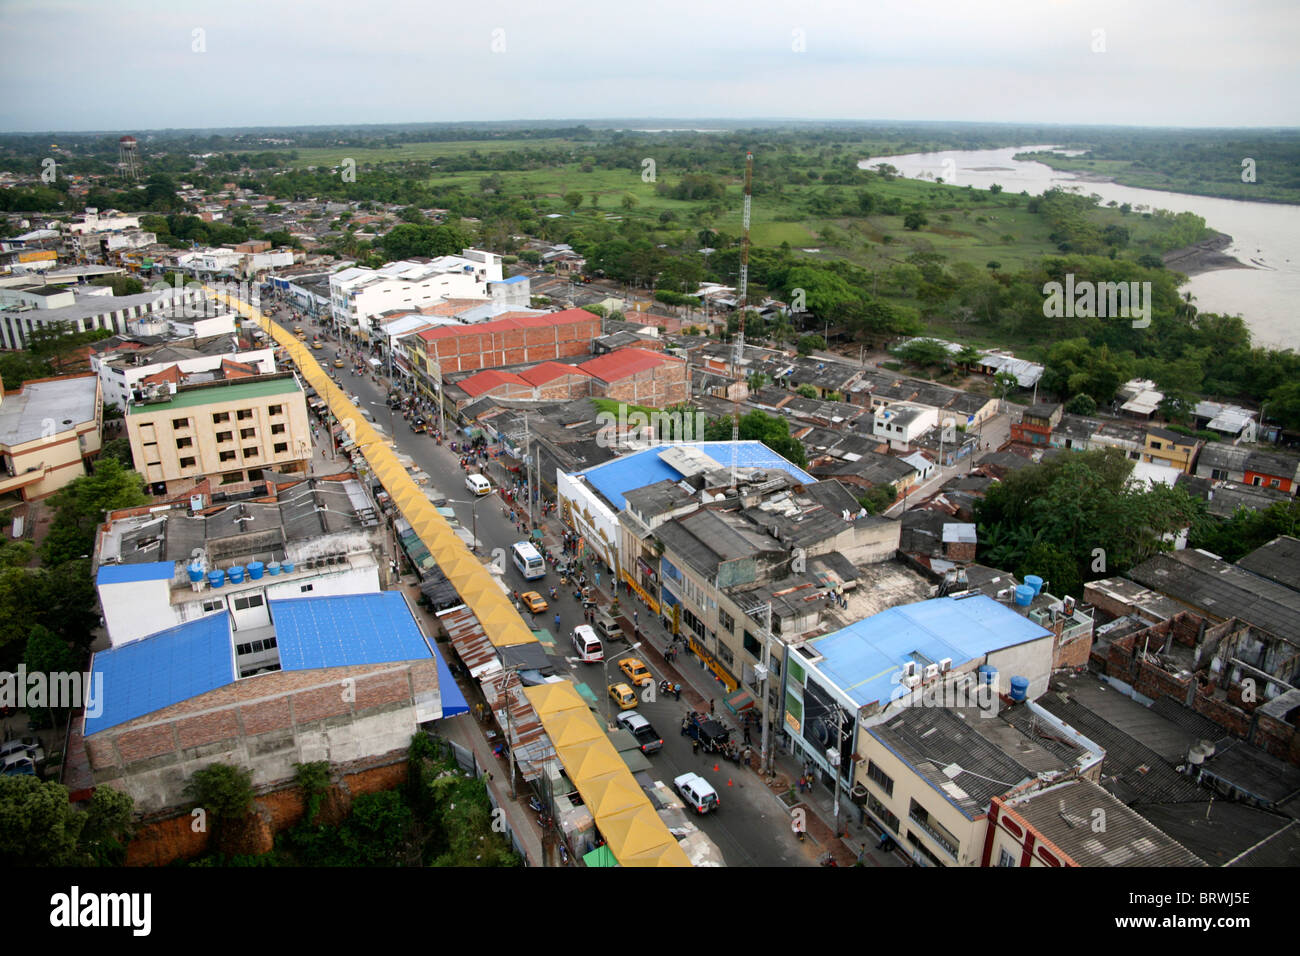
x=358, y=294
x=1036, y=424
x=125, y=365
x=114, y=313
x=1220, y=461
x=316, y=536
x=182, y=700
x=49, y=429
x=900, y=425
x=231, y=430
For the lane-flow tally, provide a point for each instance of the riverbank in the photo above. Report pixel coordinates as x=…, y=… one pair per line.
x=1204, y=256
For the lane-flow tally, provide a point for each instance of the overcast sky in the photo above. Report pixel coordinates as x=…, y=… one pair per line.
x=151, y=64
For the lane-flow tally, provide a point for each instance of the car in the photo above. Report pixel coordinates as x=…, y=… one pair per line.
x=338, y=363
x=318, y=344
x=478, y=484
x=623, y=696
x=534, y=602
x=697, y=792
x=607, y=628
x=646, y=736
x=298, y=331
x=419, y=426
x=636, y=671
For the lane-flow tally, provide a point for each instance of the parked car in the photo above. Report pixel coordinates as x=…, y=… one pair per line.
x=623, y=696
x=647, y=737
x=338, y=363
x=636, y=671
x=697, y=792
x=607, y=628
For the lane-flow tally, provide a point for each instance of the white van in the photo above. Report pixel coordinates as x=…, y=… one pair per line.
x=478, y=484
x=587, y=645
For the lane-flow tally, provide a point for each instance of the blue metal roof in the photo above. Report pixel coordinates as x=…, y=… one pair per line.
x=865, y=659
x=613, y=478
x=160, y=670
x=345, y=631
x=513, y=279
x=126, y=573
x=453, y=701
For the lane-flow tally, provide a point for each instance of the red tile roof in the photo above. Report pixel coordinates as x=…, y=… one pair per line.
x=550, y=371
x=567, y=317
x=624, y=362
x=171, y=373
x=232, y=369
x=481, y=382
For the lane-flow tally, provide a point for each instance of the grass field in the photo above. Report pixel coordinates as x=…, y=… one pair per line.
x=421, y=152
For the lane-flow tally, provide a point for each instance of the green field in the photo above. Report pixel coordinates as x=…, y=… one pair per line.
x=420, y=152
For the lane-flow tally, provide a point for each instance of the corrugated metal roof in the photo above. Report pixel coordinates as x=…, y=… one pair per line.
x=162, y=669
x=129, y=573
x=346, y=631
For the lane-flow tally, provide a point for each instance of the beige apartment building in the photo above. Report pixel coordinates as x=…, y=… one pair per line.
x=49, y=428
x=229, y=431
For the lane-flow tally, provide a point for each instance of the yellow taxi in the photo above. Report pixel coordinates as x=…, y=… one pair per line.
x=623, y=696
x=318, y=344
x=533, y=601
x=298, y=331
x=338, y=363
x=636, y=671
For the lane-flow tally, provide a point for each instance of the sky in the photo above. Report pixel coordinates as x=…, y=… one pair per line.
x=71, y=65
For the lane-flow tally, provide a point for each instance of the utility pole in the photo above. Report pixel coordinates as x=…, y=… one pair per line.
x=742, y=298
x=528, y=459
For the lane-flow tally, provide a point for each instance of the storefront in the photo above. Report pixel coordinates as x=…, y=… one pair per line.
x=641, y=592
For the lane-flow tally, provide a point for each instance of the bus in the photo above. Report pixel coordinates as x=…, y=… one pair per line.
x=528, y=560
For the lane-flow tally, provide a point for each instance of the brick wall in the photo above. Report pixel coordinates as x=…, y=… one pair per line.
x=656, y=387
x=1277, y=738
x=265, y=723
x=1230, y=718
x=475, y=348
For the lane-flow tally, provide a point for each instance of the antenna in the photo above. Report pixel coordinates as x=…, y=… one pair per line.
x=742, y=299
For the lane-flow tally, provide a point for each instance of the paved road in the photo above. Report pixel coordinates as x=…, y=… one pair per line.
x=752, y=825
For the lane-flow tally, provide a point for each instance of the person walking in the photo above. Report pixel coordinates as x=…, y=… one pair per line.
x=695, y=746
x=557, y=624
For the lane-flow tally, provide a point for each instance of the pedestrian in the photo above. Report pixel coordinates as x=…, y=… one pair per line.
x=695, y=745
x=710, y=705
x=677, y=691
x=747, y=740
x=557, y=623
x=635, y=615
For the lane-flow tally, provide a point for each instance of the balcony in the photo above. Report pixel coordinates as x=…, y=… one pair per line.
x=946, y=841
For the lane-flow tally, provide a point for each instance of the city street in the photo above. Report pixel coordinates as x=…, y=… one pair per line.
x=752, y=825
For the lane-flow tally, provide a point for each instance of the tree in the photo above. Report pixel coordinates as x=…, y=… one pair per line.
x=808, y=344
x=573, y=199
x=878, y=499
x=923, y=352
x=38, y=827
x=108, y=827
x=915, y=220
x=628, y=202
x=1081, y=404
x=119, y=448
x=807, y=391
x=80, y=506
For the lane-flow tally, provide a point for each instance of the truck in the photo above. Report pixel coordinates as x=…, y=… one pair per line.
x=713, y=737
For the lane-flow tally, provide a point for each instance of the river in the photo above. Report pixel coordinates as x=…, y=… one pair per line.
x=1265, y=236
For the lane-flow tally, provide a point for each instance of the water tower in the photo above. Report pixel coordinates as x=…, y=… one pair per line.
x=127, y=151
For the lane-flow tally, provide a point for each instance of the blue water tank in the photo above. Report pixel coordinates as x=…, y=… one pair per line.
x=216, y=578
x=287, y=567
x=273, y=568
x=988, y=673
x=236, y=572
x=1024, y=595
x=1035, y=582
x=1019, y=688
x=254, y=570
x=196, y=573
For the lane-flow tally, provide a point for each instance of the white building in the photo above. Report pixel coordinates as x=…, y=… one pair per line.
x=121, y=368
x=209, y=260
x=358, y=295
x=321, y=537
x=96, y=312
x=900, y=425
x=93, y=222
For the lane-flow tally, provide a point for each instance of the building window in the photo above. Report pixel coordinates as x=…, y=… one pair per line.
x=220, y=417
x=244, y=602
x=724, y=653
x=727, y=621
x=881, y=779
x=275, y=410
x=226, y=456
x=225, y=436
x=216, y=605
x=1155, y=445
x=248, y=433
x=307, y=587
x=244, y=414
x=185, y=443
x=187, y=462
x=281, y=447
x=277, y=429
x=180, y=423
x=1005, y=858
x=752, y=645
x=252, y=451
x=882, y=812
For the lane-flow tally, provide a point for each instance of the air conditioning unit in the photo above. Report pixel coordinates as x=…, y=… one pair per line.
x=909, y=669
x=911, y=680
x=931, y=671
x=945, y=665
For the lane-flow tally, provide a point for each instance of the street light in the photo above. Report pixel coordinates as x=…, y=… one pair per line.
x=473, y=506
x=609, y=716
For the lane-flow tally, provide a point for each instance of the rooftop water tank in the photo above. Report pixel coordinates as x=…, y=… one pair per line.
x=988, y=673
x=217, y=578
x=1024, y=595
x=1019, y=688
x=273, y=568
x=236, y=572
x=254, y=570
x=286, y=567
x=196, y=573
x=1035, y=582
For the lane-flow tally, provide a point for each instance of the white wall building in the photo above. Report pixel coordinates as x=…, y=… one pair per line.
x=900, y=424
x=120, y=370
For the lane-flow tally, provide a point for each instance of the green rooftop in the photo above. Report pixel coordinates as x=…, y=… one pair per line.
x=212, y=394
